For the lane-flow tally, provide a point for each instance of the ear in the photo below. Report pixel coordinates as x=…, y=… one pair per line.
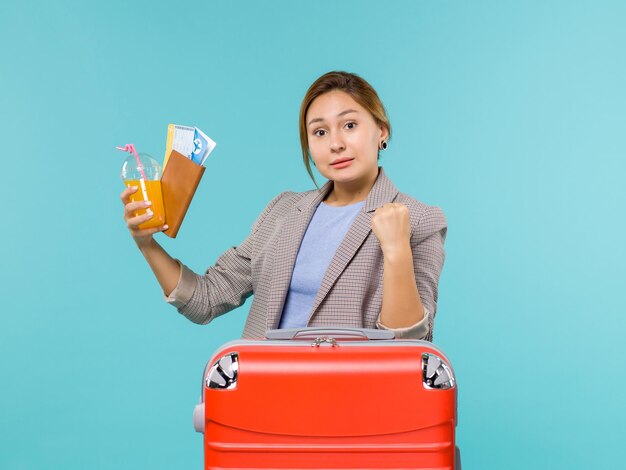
x=384, y=132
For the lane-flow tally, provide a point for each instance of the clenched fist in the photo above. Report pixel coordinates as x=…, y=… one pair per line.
x=391, y=226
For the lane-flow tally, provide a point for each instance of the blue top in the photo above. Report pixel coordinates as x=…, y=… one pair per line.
x=325, y=232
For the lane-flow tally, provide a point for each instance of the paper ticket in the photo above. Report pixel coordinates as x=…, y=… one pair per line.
x=189, y=141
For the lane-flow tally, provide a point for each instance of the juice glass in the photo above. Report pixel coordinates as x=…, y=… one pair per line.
x=145, y=173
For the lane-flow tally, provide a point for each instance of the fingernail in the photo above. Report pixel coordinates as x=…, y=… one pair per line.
x=148, y=203
x=133, y=187
x=165, y=227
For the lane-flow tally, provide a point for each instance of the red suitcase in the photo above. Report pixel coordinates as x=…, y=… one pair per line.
x=328, y=398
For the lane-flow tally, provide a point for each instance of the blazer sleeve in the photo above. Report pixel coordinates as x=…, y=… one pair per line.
x=224, y=286
x=427, y=240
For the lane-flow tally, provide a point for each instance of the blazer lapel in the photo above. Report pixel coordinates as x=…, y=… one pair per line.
x=382, y=192
x=286, y=251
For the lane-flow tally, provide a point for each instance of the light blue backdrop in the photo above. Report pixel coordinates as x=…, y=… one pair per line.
x=509, y=115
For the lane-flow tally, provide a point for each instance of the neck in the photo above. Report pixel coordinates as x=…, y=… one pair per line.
x=351, y=192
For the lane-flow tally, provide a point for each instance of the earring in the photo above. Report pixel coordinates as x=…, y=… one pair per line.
x=383, y=145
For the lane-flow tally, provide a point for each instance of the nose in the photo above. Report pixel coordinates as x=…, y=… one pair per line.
x=336, y=143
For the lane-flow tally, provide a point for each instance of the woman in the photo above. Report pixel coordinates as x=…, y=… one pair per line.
x=355, y=253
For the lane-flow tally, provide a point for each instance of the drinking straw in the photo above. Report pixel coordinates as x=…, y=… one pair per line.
x=130, y=148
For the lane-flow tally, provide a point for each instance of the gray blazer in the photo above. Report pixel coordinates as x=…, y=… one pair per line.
x=350, y=294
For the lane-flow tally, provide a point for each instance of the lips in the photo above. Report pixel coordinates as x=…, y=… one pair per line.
x=341, y=162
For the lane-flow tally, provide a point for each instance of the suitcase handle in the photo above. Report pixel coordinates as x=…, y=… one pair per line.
x=337, y=333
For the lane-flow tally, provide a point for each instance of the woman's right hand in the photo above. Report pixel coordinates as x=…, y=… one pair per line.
x=141, y=236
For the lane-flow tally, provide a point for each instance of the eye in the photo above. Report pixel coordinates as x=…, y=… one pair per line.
x=317, y=132
x=351, y=125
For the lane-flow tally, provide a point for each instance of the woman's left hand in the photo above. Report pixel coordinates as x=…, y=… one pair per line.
x=392, y=227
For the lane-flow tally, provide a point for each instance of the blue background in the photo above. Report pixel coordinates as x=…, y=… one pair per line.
x=509, y=115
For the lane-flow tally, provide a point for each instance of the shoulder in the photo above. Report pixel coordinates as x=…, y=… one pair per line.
x=286, y=200
x=425, y=219
x=280, y=206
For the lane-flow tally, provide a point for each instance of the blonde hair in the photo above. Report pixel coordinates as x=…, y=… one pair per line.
x=360, y=91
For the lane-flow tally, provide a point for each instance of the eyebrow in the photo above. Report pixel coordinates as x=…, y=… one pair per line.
x=342, y=113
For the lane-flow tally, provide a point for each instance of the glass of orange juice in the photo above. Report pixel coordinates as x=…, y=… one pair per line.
x=144, y=172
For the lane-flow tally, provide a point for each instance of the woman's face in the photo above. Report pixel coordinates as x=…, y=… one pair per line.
x=343, y=138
